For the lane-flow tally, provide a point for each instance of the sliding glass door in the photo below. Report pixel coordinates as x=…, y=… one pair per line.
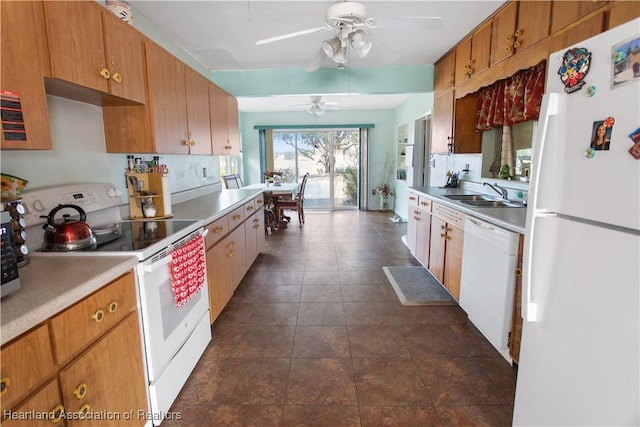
x=329, y=156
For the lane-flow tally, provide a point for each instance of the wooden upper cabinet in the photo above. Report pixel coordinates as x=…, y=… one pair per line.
x=233, y=124
x=168, y=100
x=444, y=73
x=473, y=53
x=623, y=11
x=76, y=43
x=198, y=116
x=225, y=135
x=86, y=54
x=463, y=60
x=442, y=122
x=21, y=74
x=517, y=26
x=564, y=13
x=588, y=28
x=125, y=59
x=465, y=137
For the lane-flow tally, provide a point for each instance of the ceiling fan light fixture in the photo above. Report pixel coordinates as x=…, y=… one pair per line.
x=334, y=49
x=315, y=109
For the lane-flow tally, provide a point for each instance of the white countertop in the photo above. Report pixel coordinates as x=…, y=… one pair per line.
x=510, y=218
x=213, y=206
x=49, y=285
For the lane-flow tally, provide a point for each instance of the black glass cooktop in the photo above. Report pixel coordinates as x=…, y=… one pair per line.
x=130, y=236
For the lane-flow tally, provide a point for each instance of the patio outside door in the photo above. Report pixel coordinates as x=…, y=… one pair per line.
x=330, y=156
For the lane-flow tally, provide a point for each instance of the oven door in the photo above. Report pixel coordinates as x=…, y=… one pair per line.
x=166, y=328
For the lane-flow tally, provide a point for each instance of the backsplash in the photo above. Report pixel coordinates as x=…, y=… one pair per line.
x=79, y=154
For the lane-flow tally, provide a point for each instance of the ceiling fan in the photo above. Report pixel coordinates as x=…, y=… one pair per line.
x=317, y=105
x=349, y=18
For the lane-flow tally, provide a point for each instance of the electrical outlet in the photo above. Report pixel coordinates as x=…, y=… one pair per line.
x=204, y=172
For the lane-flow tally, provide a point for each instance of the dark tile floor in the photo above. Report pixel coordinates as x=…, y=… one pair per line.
x=315, y=336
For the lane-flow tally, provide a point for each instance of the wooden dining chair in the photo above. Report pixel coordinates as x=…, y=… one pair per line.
x=232, y=181
x=295, y=204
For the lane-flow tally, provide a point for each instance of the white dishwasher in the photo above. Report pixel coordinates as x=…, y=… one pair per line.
x=487, y=285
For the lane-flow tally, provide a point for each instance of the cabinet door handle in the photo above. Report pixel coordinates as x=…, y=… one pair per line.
x=56, y=413
x=105, y=73
x=116, y=78
x=232, y=253
x=231, y=245
x=5, y=382
x=517, y=44
x=98, y=315
x=113, y=307
x=80, y=391
x=84, y=410
x=519, y=32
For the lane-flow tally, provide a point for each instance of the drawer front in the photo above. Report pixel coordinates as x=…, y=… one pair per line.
x=235, y=217
x=452, y=216
x=27, y=362
x=217, y=230
x=413, y=199
x=259, y=202
x=249, y=208
x=75, y=328
x=424, y=203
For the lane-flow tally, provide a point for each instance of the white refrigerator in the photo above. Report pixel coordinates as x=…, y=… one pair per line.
x=579, y=361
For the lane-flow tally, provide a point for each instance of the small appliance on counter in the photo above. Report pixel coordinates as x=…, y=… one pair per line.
x=10, y=277
x=17, y=228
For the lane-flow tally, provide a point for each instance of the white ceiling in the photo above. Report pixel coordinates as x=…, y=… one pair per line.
x=222, y=35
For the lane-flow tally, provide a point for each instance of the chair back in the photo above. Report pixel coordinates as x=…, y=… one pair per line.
x=232, y=181
x=300, y=195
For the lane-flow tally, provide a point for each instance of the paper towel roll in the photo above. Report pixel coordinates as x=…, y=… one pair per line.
x=166, y=195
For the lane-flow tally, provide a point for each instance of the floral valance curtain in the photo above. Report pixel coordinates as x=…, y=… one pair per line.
x=512, y=100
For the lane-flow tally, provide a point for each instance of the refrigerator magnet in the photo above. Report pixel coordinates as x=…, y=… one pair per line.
x=591, y=90
x=601, y=134
x=635, y=148
x=625, y=64
x=575, y=66
x=590, y=153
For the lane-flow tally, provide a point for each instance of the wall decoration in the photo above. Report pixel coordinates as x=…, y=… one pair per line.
x=574, y=68
x=625, y=62
x=601, y=134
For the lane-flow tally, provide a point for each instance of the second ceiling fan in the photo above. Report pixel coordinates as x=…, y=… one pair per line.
x=350, y=20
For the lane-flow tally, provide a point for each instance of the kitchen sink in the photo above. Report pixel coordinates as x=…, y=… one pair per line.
x=470, y=197
x=492, y=203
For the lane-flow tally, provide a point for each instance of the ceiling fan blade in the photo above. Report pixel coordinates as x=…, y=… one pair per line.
x=316, y=62
x=409, y=22
x=290, y=35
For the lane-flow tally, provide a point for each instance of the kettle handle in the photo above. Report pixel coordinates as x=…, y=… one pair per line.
x=54, y=211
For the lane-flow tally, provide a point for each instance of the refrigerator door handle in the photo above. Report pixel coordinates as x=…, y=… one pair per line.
x=550, y=103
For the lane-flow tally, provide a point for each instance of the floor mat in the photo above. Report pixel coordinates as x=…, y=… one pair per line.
x=416, y=286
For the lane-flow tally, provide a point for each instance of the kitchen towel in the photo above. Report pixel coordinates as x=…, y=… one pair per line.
x=187, y=270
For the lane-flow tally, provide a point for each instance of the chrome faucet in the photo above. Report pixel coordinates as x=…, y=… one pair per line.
x=500, y=190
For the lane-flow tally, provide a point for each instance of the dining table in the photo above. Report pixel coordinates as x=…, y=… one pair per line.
x=280, y=190
x=285, y=189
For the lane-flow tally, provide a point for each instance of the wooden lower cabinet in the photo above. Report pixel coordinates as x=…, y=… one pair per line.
x=231, y=251
x=104, y=379
x=445, y=249
x=46, y=402
x=412, y=223
x=101, y=385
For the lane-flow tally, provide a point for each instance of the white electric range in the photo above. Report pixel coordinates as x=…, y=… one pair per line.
x=174, y=337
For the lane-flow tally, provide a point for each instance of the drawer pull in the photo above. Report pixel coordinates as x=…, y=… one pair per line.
x=84, y=410
x=98, y=315
x=259, y=201
x=236, y=217
x=113, y=307
x=249, y=208
x=218, y=230
x=55, y=415
x=5, y=382
x=80, y=391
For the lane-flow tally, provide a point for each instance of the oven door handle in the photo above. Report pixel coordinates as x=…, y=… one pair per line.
x=150, y=268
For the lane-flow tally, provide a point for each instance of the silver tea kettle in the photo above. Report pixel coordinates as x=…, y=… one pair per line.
x=69, y=235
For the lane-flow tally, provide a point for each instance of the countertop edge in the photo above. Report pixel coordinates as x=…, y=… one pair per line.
x=46, y=303
x=512, y=219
